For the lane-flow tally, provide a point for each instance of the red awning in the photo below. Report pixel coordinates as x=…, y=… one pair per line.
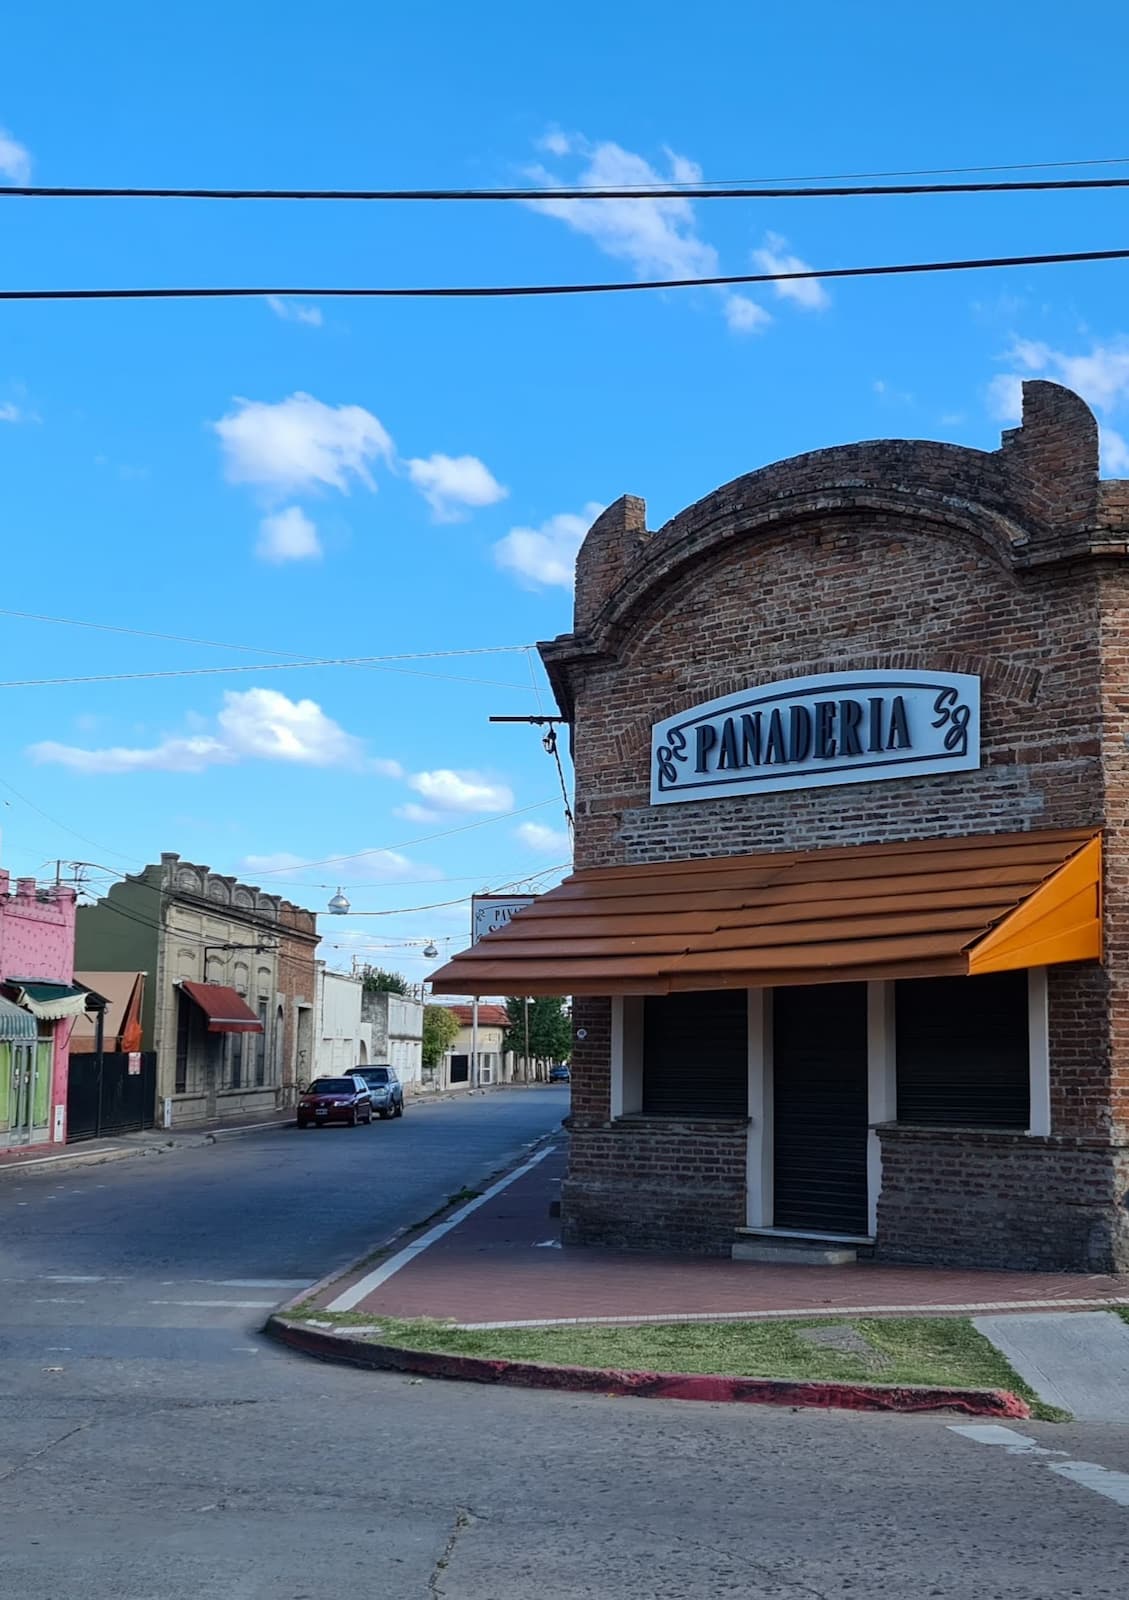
x=226, y=1011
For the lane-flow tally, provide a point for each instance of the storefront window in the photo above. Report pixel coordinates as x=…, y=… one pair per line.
x=963, y=1052
x=696, y=1054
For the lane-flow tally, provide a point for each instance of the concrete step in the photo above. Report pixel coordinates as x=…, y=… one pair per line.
x=792, y=1252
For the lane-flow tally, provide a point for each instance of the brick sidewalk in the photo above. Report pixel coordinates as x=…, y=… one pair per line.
x=503, y=1264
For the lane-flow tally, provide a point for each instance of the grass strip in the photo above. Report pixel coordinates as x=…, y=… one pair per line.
x=943, y=1352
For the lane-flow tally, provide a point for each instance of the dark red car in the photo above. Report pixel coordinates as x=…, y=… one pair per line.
x=335, y=1100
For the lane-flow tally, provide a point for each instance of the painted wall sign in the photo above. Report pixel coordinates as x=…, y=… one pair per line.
x=803, y=733
x=490, y=911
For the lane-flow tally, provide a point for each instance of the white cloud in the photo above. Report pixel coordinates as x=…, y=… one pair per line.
x=411, y=812
x=294, y=311
x=1005, y=397
x=446, y=790
x=15, y=160
x=657, y=236
x=1115, y=453
x=545, y=557
x=448, y=483
x=288, y=535
x=301, y=444
x=375, y=866
x=555, y=143
x=171, y=755
x=385, y=767
x=11, y=412
x=255, y=724
x=547, y=841
x=744, y=315
x=1100, y=375
x=806, y=292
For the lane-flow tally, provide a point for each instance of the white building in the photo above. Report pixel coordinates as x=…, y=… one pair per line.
x=343, y=1041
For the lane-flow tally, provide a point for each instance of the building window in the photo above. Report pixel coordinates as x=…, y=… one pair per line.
x=261, y=1045
x=962, y=1050
x=696, y=1054
x=184, y=1010
x=236, y=1060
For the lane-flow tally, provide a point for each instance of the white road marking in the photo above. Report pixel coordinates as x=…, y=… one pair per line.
x=1087, y=1474
x=258, y=1283
x=352, y=1297
x=547, y=1244
x=1113, y=1485
x=236, y=1305
x=1016, y=1444
x=69, y=1300
x=65, y=1277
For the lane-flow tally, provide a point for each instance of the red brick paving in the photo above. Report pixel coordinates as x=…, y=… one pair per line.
x=500, y=1265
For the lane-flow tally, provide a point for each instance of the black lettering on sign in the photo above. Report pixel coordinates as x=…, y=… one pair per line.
x=751, y=739
x=850, y=720
x=825, y=747
x=728, y=757
x=706, y=738
x=899, y=725
x=799, y=742
x=875, y=744
x=776, y=746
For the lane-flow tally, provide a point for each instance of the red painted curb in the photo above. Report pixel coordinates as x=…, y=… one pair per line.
x=648, y=1385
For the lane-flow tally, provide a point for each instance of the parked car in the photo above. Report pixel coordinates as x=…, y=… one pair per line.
x=385, y=1088
x=561, y=1073
x=335, y=1100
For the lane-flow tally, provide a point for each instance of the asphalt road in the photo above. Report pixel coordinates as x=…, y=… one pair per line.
x=154, y=1447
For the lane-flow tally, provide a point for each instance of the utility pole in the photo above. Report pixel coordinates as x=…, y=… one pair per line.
x=525, y=1005
x=474, y=1043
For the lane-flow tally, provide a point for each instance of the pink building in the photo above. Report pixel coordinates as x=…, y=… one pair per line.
x=38, y=1005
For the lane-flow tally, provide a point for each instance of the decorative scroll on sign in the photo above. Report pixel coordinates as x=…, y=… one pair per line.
x=802, y=733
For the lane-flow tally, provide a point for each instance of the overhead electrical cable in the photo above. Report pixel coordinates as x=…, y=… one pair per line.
x=537, y=290
x=805, y=190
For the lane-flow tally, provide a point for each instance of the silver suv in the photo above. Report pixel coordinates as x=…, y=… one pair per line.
x=385, y=1089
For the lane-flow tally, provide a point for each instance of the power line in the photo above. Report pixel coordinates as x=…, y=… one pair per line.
x=367, y=663
x=405, y=844
x=535, y=290
x=655, y=191
x=219, y=644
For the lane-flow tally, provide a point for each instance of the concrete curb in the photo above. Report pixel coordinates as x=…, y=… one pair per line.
x=714, y=1387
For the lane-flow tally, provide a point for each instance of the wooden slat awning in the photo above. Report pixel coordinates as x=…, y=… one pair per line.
x=925, y=908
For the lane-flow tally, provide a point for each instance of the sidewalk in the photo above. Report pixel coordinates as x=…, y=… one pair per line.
x=53, y=1157
x=498, y=1262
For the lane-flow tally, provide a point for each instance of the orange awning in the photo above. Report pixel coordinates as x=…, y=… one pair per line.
x=926, y=908
x=121, y=1027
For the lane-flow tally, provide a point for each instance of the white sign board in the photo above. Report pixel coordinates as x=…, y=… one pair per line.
x=804, y=733
x=490, y=911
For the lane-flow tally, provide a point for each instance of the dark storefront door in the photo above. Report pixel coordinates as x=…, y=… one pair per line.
x=820, y=1108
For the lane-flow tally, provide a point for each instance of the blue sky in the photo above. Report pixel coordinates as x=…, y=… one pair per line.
x=346, y=478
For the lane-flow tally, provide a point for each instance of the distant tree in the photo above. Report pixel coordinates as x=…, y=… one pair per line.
x=377, y=981
x=439, y=1029
x=550, y=1030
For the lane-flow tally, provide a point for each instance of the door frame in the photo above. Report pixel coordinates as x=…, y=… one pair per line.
x=881, y=1090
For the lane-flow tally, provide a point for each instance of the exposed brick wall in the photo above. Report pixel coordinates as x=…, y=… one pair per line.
x=657, y=1184
x=895, y=554
x=1003, y=1200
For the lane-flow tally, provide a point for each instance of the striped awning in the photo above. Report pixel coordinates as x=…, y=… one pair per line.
x=916, y=908
x=50, y=1002
x=15, y=1022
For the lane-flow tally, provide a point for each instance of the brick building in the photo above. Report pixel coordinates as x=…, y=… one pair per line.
x=848, y=937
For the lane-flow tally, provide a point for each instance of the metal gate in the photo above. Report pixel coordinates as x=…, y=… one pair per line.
x=119, y=1097
x=820, y=1108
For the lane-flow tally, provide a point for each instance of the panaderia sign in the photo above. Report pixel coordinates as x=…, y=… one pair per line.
x=802, y=733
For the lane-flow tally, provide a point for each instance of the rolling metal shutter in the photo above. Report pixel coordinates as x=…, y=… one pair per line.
x=696, y=1054
x=962, y=1051
x=820, y=1108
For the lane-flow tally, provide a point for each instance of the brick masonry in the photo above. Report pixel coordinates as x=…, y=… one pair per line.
x=891, y=554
